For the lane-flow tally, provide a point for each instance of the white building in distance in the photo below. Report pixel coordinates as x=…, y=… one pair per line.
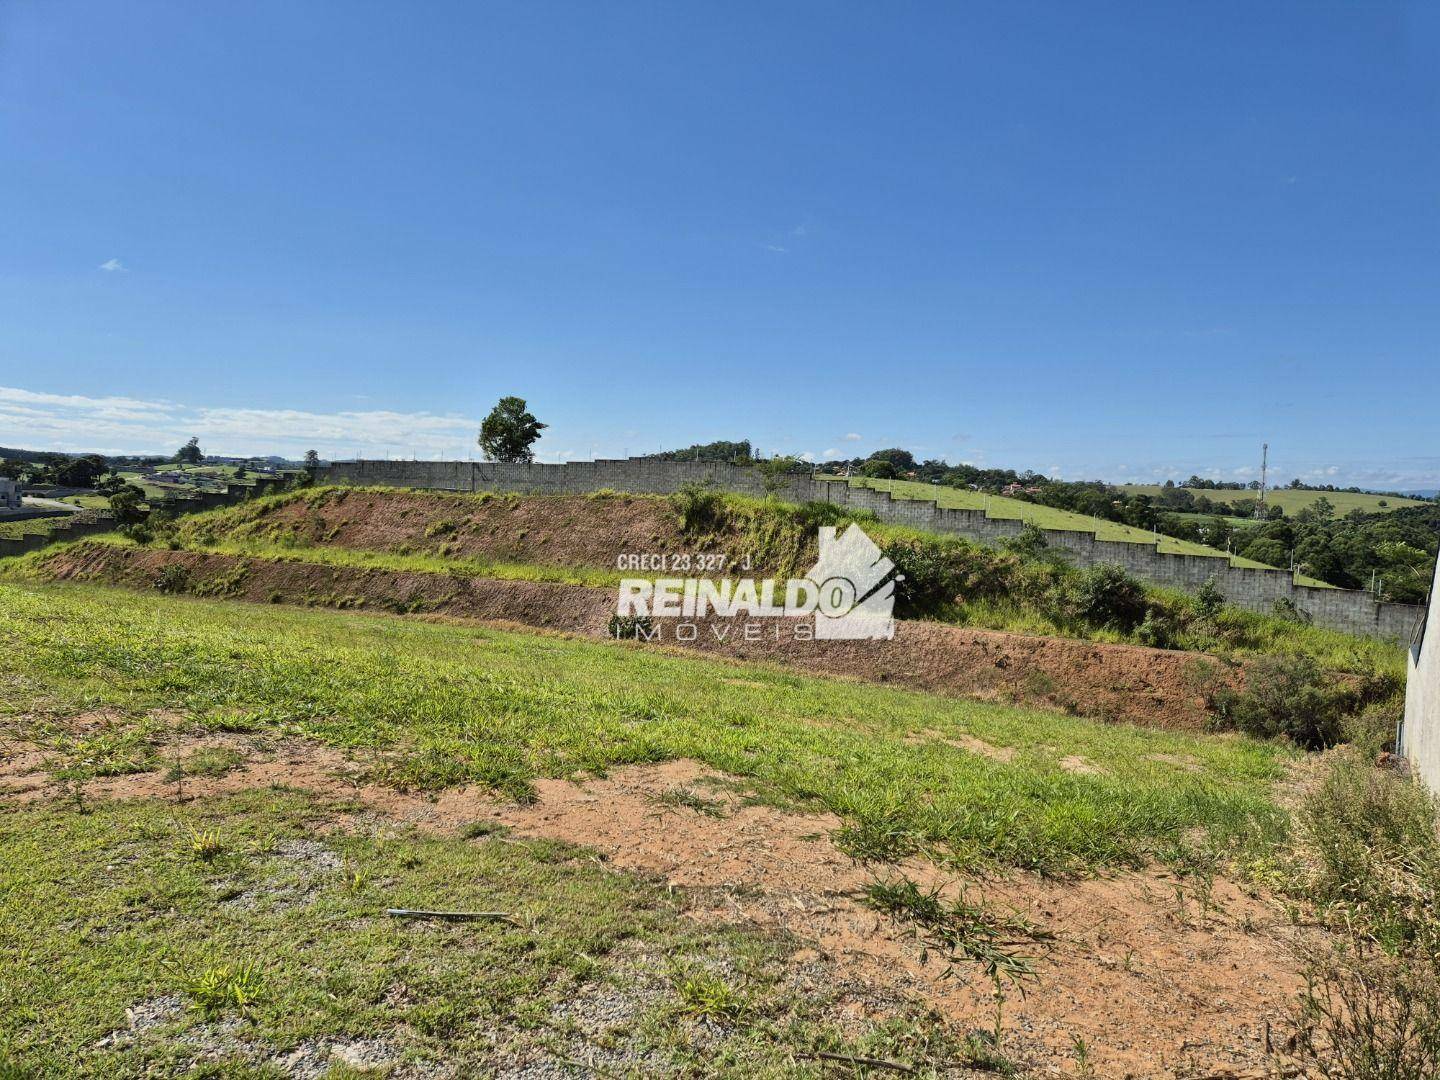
x=9, y=494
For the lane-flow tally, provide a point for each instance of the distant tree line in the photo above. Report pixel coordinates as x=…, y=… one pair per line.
x=720, y=451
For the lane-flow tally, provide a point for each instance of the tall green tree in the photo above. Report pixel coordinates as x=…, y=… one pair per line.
x=190, y=453
x=510, y=431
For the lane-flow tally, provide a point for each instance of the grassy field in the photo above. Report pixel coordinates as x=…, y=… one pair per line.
x=1293, y=501
x=222, y=939
x=442, y=705
x=37, y=526
x=1044, y=517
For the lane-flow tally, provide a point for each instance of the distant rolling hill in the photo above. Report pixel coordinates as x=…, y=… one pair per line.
x=1290, y=500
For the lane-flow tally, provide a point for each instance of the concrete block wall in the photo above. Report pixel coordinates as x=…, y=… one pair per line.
x=1253, y=589
x=1420, y=732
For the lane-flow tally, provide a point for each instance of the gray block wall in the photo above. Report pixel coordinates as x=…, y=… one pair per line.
x=1419, y=739
x=1255, y=590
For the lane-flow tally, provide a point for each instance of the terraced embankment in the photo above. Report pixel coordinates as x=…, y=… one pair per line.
x=1154, y=687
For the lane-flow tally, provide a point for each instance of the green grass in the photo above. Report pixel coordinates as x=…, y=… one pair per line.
x=439, y=705
x=1044, y=517
x=37, y=526
x=330, y=555
x=1237, y=633
x=1292, y=501
x=276, y=941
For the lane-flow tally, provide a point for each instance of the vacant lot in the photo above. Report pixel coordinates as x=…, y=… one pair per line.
x=647, y=861
x=691, y=867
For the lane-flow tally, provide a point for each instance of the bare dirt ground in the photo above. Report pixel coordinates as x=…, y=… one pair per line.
x=556, y=530
x=1153, y=687
x=1158, y=977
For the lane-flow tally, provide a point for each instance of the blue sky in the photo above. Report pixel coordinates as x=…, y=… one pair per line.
x=1109, y=240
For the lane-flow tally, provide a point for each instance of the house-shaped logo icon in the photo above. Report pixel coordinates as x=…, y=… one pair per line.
x=855, y=586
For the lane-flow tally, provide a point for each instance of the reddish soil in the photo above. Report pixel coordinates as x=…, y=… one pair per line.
x=1155, y=982
x=1128, y=683
x=553, y=530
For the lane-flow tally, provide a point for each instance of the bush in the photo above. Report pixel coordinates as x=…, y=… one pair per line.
x=1372, y=730
x=631, y=628
x=1371, y=849
x=1108, y=596
x=938, y=573
x=1286, y=608
x=701, y=508
x=1209, y=600
x=1285, y=695
x=1377, y=1015
x=139, y=532
x=173, y=578
x=1159, y=630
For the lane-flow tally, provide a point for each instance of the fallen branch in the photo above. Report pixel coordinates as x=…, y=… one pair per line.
x=455, y=916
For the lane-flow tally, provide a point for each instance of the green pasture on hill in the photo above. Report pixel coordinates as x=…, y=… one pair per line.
x=1292, y=501
x=1043, y=517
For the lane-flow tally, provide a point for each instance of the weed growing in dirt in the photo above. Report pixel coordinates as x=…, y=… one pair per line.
x=959, y=930
x=205, y=845
x=704, y=995
x=238, y=986
x=209, y=762
x=690, y=799
x=475, y=830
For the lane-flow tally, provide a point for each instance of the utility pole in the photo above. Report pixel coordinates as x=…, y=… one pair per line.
x=1264, y=466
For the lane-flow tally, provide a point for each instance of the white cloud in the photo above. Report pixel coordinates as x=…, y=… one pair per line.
x=777, y=249
x=110, y=266
x=832, y=453
x=808, y=455
x=852, y=437
x=121, y=425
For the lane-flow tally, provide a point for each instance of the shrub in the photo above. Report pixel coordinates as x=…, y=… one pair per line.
x=1108, y=596
x=1372, y=730
x=1159, y=630
x=774, y=471
x=1285, y=695
x=935, y=574
x=701, y=508
x=811, y=515
x=1377, y=1015
x=631, y=628
x=1209, y=600
x=1371, y=849
x=1286, y=608
x=173, y=578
